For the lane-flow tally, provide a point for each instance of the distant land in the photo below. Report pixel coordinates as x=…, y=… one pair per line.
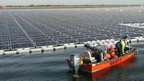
x=64, y=6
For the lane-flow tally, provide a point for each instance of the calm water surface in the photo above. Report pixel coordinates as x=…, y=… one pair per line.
x=52, y=66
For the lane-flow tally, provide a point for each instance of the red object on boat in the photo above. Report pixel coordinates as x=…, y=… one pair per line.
x=95, y=67
x=111, y=48
x=115, y=56
x=108, y=56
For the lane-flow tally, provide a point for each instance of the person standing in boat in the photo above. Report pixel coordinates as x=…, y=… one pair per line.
x=121, y=46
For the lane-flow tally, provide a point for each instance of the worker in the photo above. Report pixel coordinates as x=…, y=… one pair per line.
x=103, y=51
x=121, y=45
x=99, y=51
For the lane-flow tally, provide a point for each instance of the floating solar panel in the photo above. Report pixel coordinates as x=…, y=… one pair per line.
x=20, y=29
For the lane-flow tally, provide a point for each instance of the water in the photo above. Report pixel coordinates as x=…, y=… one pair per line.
x=52, y=66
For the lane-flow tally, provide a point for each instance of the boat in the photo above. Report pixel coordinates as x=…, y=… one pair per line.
x=93, y=67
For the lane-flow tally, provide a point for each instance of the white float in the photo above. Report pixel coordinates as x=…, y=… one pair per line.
x=1, y=52
x=71, y=45
x=47, y=48
x=23, y=50
x=36, y=50
x=79, y=45
x=10, y=52
x=59, y=47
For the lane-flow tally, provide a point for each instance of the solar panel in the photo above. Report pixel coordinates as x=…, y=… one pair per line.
x=20, y=29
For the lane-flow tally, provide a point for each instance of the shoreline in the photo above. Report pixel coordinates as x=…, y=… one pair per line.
x=67, y=6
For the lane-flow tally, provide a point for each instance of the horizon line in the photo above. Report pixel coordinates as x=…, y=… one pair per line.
x=76, y=5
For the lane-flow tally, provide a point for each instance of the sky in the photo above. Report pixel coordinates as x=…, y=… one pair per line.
x=68, y=2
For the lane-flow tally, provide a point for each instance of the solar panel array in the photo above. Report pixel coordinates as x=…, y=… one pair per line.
x=32, y=28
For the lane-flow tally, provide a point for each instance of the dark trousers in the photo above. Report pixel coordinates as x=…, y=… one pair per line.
x=119, y=51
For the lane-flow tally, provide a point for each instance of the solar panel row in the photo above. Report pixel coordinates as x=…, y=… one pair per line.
x=22, y=28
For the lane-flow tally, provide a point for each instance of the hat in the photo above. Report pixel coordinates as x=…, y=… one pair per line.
x=125, y=37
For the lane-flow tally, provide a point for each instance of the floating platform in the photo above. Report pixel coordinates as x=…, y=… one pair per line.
x=64, y=46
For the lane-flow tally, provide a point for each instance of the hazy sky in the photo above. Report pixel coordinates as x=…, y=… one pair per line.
x=59, y=2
